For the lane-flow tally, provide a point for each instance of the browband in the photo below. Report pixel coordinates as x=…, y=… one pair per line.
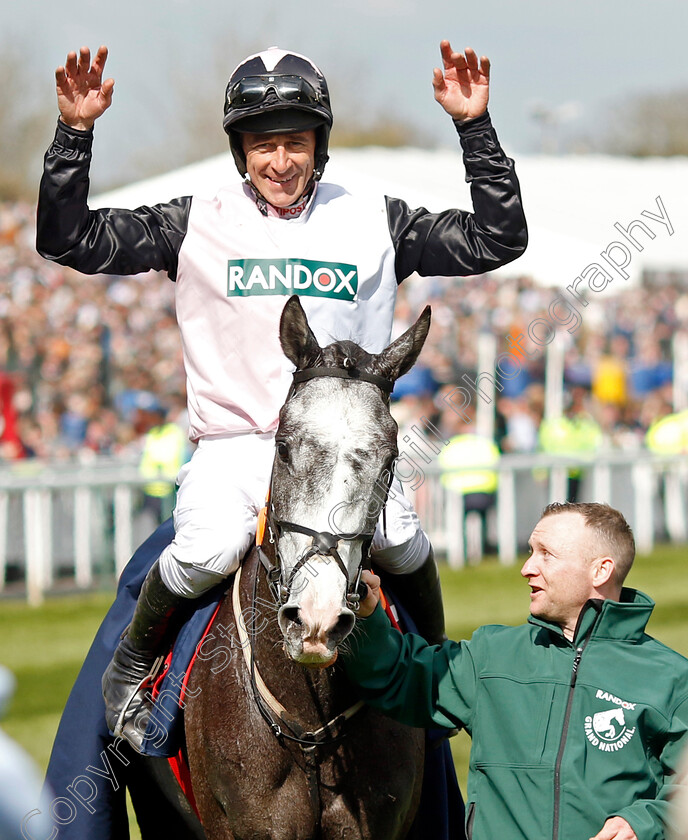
x=383, y=384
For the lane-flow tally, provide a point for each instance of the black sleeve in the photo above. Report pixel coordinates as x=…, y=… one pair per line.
x=456, y=242
x=107, y=241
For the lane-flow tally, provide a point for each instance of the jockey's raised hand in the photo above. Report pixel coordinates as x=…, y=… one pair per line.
x=82, y=95
x=463, y=88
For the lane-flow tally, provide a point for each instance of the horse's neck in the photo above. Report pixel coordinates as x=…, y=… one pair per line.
x=311, y=695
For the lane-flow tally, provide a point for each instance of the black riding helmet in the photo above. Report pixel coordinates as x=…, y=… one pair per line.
x=276, y=91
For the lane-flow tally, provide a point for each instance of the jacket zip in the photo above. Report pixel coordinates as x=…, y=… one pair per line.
x=567, y=717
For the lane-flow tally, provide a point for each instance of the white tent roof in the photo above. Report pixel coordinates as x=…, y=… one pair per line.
x=571, y=202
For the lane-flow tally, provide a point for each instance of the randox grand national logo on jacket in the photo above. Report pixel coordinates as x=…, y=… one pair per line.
x=292, y=276
x=610, y=730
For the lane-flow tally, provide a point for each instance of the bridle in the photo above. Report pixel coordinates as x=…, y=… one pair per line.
x=323, y=543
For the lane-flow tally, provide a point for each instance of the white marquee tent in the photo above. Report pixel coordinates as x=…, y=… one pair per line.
x=572, y=202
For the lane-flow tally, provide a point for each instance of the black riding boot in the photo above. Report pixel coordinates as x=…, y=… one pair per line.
x=125, y=682
x=421, y=595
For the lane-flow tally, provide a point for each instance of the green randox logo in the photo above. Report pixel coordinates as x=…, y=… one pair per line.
x=292, y=276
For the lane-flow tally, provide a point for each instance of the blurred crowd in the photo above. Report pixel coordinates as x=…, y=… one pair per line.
x=618, y=365
x=82, y=357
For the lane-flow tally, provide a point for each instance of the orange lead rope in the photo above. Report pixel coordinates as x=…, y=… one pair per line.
x=260, y=527
x=262, y=521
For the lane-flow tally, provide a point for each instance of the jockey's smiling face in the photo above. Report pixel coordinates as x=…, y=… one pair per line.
x=280, y=165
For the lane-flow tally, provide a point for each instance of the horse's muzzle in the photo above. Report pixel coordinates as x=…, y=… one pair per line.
x=312, y=639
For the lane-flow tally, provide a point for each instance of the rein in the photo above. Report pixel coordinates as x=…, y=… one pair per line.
x=267, y=702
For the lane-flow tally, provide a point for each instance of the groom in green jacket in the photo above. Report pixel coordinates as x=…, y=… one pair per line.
x=578, y=718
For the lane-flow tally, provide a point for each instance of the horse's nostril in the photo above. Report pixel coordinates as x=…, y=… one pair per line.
x=292, y=614
x=342, y=628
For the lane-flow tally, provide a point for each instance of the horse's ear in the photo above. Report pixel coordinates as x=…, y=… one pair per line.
x=298, y=342
x=401, y=354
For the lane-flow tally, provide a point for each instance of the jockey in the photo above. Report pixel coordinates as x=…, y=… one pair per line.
x=234, y=259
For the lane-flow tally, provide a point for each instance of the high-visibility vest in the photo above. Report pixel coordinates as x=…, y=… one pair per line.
x=576, y=436
x=569, y=435
x=668, y=435
x=164, y=452
x=470, y=451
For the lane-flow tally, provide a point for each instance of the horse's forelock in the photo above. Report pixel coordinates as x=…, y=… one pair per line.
x=346, y=354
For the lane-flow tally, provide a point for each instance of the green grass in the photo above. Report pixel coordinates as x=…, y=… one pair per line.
x=45, y=646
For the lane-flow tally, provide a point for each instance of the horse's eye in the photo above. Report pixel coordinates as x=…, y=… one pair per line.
x=282, y=450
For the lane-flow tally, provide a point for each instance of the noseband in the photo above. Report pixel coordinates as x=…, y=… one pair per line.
x=323, y=543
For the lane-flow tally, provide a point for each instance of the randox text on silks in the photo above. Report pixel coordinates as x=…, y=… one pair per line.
x=318, y=278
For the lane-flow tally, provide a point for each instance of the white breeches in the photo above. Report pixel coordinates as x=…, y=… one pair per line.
x=221, y=491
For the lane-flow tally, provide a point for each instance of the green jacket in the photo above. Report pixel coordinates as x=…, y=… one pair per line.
x=564, y=734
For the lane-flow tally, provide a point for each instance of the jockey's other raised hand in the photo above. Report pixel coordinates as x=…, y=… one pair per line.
x=82, y=95
x=463, y=88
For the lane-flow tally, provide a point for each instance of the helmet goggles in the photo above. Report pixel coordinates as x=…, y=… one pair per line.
x=252, y=90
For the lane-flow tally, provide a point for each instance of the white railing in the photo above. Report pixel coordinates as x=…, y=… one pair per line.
x=66, y=520
x=650, y=491
x=81, y=523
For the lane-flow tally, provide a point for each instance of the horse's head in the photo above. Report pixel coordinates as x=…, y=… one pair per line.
x=335, y=450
